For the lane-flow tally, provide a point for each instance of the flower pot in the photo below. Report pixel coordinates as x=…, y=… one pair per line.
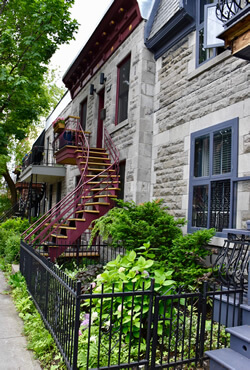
x=59, y=127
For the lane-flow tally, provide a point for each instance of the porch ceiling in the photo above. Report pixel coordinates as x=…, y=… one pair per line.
x=42, y=173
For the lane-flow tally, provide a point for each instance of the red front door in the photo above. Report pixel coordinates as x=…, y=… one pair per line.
x=100, y=120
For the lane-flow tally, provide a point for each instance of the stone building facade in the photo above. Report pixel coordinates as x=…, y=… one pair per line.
x=196, y=100
x=184, y=134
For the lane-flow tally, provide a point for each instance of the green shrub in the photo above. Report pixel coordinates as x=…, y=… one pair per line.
x=133, y=225
x=16, y=224
x=10, y=234
x=12, y=248
x=187, y=257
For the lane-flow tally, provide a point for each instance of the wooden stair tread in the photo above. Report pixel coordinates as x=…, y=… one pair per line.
x=98, y=158
x=99, y=170
x=88, y=211
x=80, y=254
x=97, y=163
x=104, y=189
x=104, y=196
x=104, y=176
x=76, y=219
x=59, y=236
x=97, y=204
x=103, y=182
x=67, y=227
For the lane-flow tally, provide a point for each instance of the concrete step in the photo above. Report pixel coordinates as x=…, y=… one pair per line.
x=240, y=339
x=226, y=358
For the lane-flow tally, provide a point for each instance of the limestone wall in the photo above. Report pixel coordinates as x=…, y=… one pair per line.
x=133, y=137
x=188, y=100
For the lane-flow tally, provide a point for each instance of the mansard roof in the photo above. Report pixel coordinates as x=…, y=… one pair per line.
x=120, y=20
x=170, y=21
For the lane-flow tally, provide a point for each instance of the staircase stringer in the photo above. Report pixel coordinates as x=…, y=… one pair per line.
x=43, y=227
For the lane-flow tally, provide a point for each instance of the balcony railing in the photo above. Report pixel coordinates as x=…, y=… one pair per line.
x=39, y=157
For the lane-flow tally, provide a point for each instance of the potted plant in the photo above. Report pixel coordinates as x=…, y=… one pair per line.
x=59, y=125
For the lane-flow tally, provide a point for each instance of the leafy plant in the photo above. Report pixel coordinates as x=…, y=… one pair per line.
x=10, y=231
x=133, y=225
x=129, y=273
x=39, y=339
x=187, y=257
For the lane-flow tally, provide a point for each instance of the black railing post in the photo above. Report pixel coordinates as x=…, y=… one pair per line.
x=77, y=324
x=154, y=333
x=47, y=292
x=203, y=318
x=150, y=321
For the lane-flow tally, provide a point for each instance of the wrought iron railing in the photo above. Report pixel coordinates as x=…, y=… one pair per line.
x=182, y=328
x=226, y=9
x=40, y=157
x=232, y=262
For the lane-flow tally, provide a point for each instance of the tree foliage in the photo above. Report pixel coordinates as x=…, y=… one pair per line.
x=30, y=33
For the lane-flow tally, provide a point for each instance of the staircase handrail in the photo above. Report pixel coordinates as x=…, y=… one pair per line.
x=70, y=202
x=54, y=210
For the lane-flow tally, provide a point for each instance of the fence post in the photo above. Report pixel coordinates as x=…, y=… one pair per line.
x=203, y=318
x=77, y=323
x=150, y=320
x=47, y=292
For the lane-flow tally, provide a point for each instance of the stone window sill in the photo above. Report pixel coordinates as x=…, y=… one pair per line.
x=210, y=64
x=119, y=126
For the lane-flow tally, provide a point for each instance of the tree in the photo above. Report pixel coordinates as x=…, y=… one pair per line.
x=30, y=33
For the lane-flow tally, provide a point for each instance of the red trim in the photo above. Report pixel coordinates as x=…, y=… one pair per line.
x=112, y=31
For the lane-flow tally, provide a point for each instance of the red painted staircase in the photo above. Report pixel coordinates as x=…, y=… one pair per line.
x=59, y=229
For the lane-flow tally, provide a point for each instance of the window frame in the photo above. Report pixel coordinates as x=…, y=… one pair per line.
x=199, y=27
x=119, y=66
x=207, y=180
x=82, y=104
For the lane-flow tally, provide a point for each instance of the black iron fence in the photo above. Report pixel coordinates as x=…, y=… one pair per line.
x=123, y=327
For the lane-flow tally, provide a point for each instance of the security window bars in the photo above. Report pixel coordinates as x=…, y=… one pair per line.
x=213, y=168
x=123, y=90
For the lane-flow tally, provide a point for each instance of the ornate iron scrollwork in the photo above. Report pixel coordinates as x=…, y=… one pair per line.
x=226, y=9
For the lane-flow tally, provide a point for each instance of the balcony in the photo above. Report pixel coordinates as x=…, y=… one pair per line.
x=66, y=142
x=236, y=18
x=42, y=165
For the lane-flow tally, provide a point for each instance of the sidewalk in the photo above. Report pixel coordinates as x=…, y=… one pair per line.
x=13, y=352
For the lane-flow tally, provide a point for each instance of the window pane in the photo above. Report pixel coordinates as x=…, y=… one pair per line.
x=200, y=206
x=124, y=72
x=220, y=204
x=201, y=156
x=222, y=151
x=83, y=117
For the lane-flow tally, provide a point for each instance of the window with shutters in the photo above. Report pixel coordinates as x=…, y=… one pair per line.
x=212, y=171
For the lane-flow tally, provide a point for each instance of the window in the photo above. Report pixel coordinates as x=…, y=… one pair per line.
x=122, y=90
x=83, y=114
x=212, y=171
x=203, y=54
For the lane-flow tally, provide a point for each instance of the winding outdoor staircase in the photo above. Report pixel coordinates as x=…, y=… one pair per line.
x=58, y=230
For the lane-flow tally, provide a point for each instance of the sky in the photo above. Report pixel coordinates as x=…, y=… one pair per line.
x=88, y=13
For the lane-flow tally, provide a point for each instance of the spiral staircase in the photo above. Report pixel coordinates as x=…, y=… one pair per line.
x=59, y=229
